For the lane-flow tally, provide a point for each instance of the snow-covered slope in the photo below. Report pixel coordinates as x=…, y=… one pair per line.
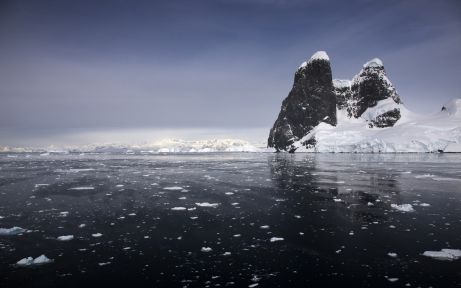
x=411, y=133
x=160, y=146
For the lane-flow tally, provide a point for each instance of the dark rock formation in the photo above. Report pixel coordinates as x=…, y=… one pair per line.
x=365, y=90
x=315, y=97
x=310, y=101
x=372, y=85
x=386, y=119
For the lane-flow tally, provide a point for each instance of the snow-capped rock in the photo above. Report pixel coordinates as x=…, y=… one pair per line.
x=311, y=101
x=370, y=117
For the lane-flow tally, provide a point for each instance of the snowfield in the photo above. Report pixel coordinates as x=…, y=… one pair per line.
x=412, y=133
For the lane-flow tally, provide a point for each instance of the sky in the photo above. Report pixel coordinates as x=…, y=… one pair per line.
x=119, y=70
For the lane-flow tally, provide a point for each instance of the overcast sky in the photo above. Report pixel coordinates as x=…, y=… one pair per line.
x=217, y=65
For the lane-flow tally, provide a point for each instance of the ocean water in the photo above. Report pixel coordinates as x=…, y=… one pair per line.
x=231, y=220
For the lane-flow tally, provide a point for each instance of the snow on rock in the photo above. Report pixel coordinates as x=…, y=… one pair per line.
x=444, y=254
x=319, y=55
x=65, y=238
x=29, y=261
x=375, y=62
x=11, y=231
x=403, y=207
x=206, y=204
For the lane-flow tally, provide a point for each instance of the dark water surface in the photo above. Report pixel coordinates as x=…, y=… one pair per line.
x=333, y=212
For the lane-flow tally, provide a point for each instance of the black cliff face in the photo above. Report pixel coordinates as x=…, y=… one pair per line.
x=371, y=86
x=310, y=101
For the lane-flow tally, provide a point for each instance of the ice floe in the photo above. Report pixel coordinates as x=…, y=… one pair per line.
x=29, y=261
x=403, y=207
x=444, y=254
x=11, y=231
x=206, y=249
x=207, y=204
x=275, y=239
x=178, y=208
x=65, y=238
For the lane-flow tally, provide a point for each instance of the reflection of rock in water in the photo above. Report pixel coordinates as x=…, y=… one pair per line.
x=356, y=187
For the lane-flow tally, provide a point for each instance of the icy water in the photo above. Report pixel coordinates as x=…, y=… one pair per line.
x=241, y=220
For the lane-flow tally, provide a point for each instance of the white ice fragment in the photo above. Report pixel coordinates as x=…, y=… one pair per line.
x=42, y=259
x=178, y=208
x=444, y=254
x=96, y=235
x=206, y=204
x=206, y=249
x=392, y=254
x=173, y=188
x=403, y=207
x=11, y=231
x=82, y=188
x=274, y=239
x=65, y=238
x=264, y=227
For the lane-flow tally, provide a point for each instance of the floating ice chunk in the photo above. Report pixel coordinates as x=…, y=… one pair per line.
x=173, y=188
x=63, y=213
x=424, y=205
x=253, y=285
x=275, y=239
x=25, y=261
x=264, y=227
x=206, y=204
x=226, y=254
x=444, y=254
x=392, y=254
x=81, y=225
x=119, y=185
x=11, y=231
x=82, y=188
x=178, y=208
x=96, y=235
x=206, y=249
x=65, y=238
x=393, y=279
x=229, y=193
x=29, y=261
x=104, y=263
x=403, y=207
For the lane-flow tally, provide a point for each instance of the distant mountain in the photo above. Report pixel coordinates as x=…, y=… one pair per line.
x=365, y=114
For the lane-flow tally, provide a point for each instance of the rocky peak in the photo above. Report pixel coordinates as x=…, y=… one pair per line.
x=310, y=101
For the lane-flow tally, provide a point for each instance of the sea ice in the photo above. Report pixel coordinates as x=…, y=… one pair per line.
x=403, y=207
x=65, y=238
x=42, y=259
x=178, y=208
x=11, y=231
x=206, y=204
x=444, y=254
x=206, y=249
x=173, y=188
x=274, y=239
